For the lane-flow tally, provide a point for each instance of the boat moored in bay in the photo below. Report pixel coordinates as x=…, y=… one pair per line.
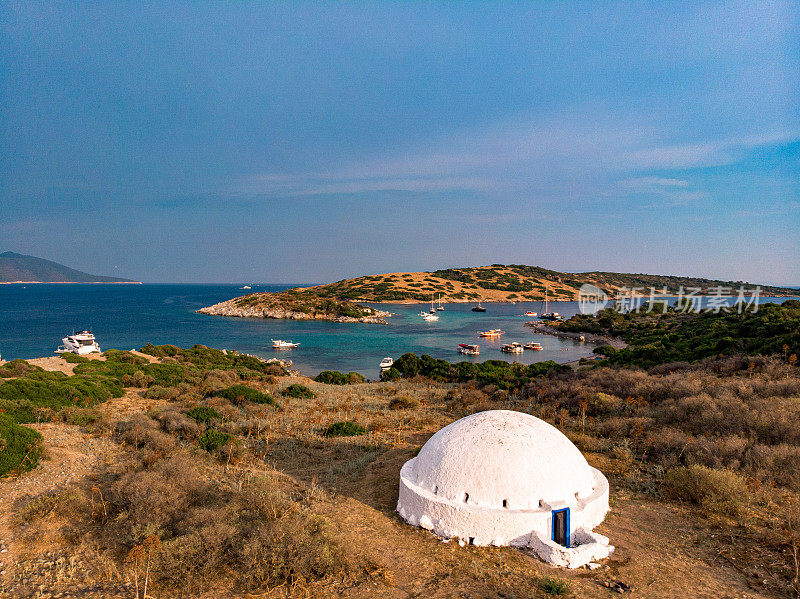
x=514, y=347
x=281, y=344
x=80, y=343
x=469, y=349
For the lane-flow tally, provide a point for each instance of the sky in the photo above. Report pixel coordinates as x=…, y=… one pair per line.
x=310, y=142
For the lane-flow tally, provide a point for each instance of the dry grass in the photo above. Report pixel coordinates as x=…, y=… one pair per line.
x=282, y=505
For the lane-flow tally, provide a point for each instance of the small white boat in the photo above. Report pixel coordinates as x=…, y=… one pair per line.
x=531, y=314
x=246, y=287
x=469, y=349
x=491, y=333
x=386, y=363
x=535, y=346
x=79, y=343
x=440, y=307
x=512, y=348
x=281, y=344
x=428, y=316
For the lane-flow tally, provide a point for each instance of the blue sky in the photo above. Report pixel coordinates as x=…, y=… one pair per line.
x=288, y=142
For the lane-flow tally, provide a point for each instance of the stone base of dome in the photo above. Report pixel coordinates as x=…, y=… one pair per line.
x=589, y=547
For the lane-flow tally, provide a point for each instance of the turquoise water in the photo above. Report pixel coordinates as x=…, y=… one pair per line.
x=34, y=318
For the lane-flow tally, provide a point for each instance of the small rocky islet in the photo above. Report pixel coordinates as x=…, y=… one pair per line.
x=295, y=304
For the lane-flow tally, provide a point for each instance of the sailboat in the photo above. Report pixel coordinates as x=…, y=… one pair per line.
x=546, y=315
x=440, y=307
x=432, y=310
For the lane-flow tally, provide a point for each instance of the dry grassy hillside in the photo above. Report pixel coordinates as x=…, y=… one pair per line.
x=209, y=475
x=506, y=283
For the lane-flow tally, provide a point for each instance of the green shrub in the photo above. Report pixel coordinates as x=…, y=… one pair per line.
x=16, y=368
x=71, y=358
x=334, y=377
x=160, y=351
x=604, y=350
x=240, y=393
x=24, y=397
x=554, y=586
x=299, y=391
x=717, y=491
x=163, y=374
x=212, y=439
x=125, y=357
x=20, y=446
x=203, y=414
x=391, y=375
x=344, y=429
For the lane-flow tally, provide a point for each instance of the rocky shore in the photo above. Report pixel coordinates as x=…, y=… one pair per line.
x=234, y=308
x=544, y=329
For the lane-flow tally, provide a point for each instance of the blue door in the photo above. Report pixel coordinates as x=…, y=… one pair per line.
x=561, y=526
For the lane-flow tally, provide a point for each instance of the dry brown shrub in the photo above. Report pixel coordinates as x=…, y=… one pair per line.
x=721, y=492
x=177, y=423
x=403, y=403
x=143, y=431
x=214, y=380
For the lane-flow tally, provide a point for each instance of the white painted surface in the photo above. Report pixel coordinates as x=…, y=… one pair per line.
x=494, y=478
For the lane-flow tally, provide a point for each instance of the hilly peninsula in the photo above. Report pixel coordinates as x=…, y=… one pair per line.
x=19, y=268
x=496, y=283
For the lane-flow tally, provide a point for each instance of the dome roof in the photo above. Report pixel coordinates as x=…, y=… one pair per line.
x=502, y=458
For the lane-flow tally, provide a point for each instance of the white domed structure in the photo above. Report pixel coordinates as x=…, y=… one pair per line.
x=507, y=478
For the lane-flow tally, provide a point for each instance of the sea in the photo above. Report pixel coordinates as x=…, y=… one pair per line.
x=34, y=318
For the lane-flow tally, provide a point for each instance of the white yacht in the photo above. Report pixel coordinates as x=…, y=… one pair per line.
x=79, y=343
x=428, y=316
x=386, y=363
x=281, y=344
x=512, y=348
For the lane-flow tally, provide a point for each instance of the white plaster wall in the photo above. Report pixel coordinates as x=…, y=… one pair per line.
x=494, y=526
x=502, y=455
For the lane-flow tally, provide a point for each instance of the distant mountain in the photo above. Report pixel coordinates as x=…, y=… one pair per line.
x=30, y=269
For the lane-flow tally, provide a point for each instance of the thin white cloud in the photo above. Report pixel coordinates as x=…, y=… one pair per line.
x=566, y=157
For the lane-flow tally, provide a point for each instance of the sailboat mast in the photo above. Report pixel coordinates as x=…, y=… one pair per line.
x=546, y=311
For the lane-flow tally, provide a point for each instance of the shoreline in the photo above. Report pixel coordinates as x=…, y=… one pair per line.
x=614, y=342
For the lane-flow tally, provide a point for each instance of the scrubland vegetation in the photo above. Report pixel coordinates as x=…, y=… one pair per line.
x=506, y=282
x=237, y=478
x=655, y=337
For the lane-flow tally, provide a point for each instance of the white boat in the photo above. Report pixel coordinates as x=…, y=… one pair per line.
x=386, y=363
x=79, y=343
x=428, y=316
x=533, y=345
x=512, y=348
x=531, y=314
x=281, y=344
x=246, y=287
x=469, y=349
x=440, y=306
x=491, y=333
